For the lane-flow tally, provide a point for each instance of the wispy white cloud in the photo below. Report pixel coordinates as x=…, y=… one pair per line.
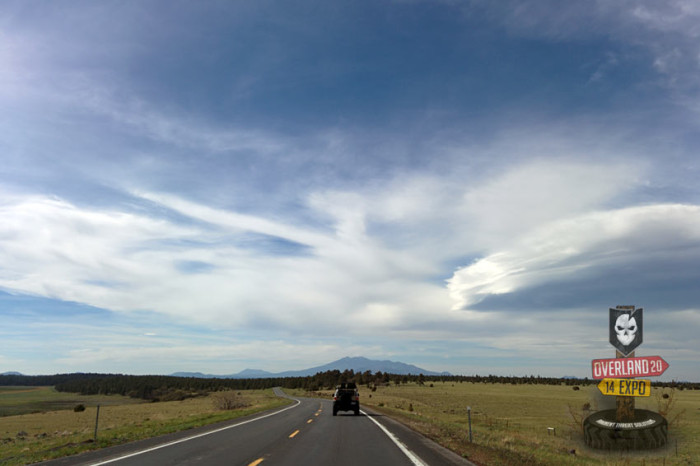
x=352, y=265
x=234, y=221
x=128, y=262
x=541, y=191
x=179, y=130
x=52, y=248
x=611, y=61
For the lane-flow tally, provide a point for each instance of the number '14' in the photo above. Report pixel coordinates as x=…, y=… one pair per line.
x=610, y=386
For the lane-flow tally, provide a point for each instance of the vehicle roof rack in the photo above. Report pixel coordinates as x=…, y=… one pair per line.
x=346, y=385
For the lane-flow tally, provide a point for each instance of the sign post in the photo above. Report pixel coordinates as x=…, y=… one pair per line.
x=624, y=428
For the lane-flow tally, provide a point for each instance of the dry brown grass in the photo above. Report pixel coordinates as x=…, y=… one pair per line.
x=33, y=437
x=510, y=422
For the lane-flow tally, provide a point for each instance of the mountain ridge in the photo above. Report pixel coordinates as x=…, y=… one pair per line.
x=356, y=364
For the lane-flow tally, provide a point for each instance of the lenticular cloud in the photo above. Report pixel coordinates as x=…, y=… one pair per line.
x=583, y=245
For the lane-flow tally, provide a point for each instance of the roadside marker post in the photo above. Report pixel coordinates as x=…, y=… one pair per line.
x=469, y=416
x=97, y=420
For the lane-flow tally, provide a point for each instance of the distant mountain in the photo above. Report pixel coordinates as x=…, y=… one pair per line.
x=199, y=375
x=244, y=374
x=11, y=373
x=360, y=364
x=357, y=364
x=253, y=374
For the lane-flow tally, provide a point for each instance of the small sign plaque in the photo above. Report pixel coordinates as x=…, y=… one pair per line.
x=625, y=387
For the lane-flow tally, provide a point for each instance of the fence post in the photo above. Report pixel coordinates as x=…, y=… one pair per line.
x=469, y=416
x=97, y=420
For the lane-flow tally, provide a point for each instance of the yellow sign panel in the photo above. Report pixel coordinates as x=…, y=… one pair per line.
x=625, y=387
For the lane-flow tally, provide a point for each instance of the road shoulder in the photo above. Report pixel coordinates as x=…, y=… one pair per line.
x=429, y=451
x=117, y=451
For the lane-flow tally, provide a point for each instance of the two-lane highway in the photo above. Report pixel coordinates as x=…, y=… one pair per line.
x=304, y=433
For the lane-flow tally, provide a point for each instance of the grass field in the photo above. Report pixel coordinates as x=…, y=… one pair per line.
x=510, y=422
x=25, y=400
x=59, y=431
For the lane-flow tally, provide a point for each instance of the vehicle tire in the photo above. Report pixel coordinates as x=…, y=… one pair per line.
x=335, y=412
x=648, y=430
x=357, y=411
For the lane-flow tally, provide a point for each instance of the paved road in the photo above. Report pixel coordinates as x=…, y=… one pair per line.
x=305, y=433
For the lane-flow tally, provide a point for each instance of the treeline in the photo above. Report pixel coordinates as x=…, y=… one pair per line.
x=44, y=380
x=167, y=388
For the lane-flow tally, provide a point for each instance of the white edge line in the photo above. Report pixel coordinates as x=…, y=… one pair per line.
x=187, y=439
x=409, y=454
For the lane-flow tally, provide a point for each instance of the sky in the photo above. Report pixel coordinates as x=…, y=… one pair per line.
x=467, y=186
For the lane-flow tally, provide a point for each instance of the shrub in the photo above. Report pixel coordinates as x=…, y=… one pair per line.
x=666, y=406
x=227, y=400
x=79, y=408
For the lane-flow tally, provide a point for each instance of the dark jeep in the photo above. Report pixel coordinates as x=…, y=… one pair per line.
x=346, y=398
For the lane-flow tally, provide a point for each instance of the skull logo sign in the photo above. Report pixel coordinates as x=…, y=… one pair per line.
x=626, y=328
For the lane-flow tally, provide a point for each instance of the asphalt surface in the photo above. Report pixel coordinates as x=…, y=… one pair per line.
x=304, y=433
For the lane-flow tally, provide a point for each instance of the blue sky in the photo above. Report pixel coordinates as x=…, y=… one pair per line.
x=461, y=185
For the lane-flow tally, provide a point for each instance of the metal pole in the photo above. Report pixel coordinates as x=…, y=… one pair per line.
x=469, y=416
x=97, y=420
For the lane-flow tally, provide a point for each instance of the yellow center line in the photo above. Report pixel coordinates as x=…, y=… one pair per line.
x=294, y=434
x=256, y=462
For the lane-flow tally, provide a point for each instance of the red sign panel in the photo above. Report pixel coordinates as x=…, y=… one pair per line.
x=646, y=366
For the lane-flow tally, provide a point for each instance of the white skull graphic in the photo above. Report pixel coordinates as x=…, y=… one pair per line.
x=626, y=329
